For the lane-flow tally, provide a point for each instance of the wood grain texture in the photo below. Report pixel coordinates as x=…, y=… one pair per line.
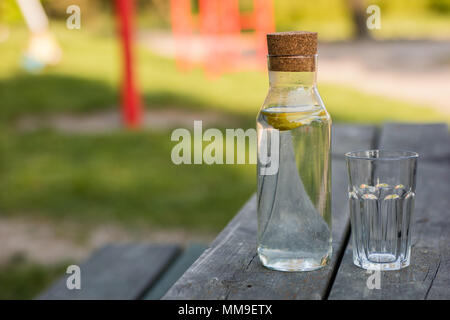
x=353, y=137
x=230, y=268
x=431, y=141
x=174, y=272
x=114, y=272
x=428, y=276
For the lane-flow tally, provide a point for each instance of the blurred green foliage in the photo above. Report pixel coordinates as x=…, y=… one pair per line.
x=440, y=6
x=89, y=77
x=121, y=177
x=331, y=18
x=22, y=279
x=9, y=12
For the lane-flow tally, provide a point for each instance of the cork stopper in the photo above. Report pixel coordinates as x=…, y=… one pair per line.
x=292, y=51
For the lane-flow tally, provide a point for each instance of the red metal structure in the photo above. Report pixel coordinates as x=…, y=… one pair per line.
x=131, y=107
x=219, y=23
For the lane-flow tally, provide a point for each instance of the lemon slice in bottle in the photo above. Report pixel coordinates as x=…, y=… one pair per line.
x=290, y=120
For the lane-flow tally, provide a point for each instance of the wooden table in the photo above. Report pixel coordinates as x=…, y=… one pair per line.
x=230, y=269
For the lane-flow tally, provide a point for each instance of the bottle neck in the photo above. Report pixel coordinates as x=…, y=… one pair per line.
x=292, y=71
x=291, y=79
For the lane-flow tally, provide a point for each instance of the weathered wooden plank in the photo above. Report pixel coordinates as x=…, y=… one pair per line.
x=351, y=138
x=230, y=268
x=428, y=276
x=117, y=272
x=175, y=271
x=431, y=141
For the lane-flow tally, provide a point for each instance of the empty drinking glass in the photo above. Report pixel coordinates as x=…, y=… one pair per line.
x=381, y=197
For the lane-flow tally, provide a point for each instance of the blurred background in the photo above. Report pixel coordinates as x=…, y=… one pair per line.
x=77, y=171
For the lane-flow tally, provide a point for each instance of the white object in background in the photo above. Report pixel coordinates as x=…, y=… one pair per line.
x=42, y=48
x=34, y=15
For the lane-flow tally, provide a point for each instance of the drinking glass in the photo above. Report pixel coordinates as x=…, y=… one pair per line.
x=381, y=189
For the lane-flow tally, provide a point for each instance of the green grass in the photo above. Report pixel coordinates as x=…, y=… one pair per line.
x=88, y=79
x=404, y=19
x=125, y=177
x=22, y=279
x=128, y=176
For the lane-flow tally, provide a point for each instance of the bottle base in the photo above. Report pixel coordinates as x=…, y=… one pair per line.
x=381, y=261
x=291, y=262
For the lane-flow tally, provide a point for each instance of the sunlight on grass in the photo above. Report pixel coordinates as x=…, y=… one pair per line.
x=88, y=79
x=22, y=279
x=128, y=176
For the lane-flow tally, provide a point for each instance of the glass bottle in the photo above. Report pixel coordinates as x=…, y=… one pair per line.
x=294, y=163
